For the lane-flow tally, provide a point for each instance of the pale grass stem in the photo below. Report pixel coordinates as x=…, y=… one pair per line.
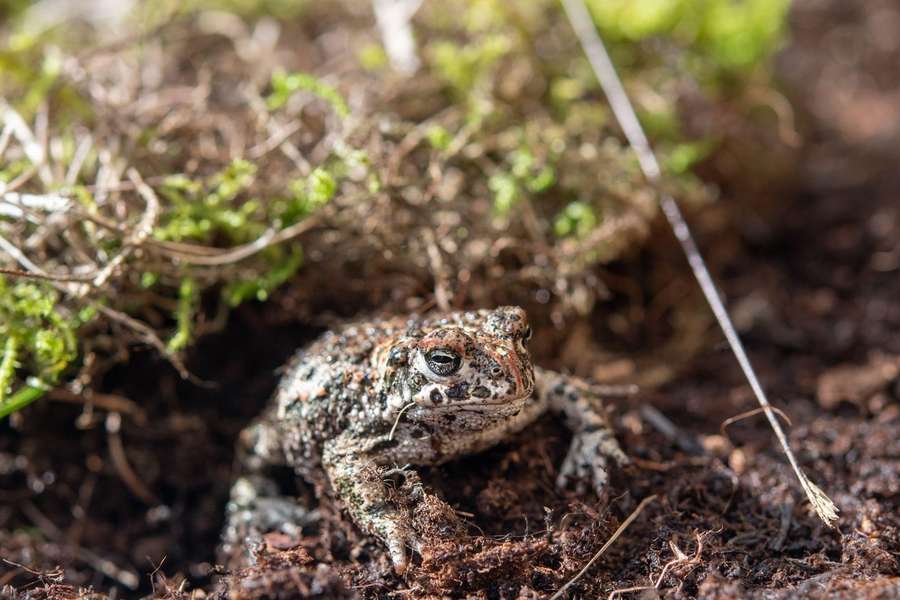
x=605, y=71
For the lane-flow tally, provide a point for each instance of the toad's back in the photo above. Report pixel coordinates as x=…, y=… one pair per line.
x=328, y=387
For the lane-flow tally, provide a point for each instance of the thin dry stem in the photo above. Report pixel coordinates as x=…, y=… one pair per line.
x=621, y=105
x=618, y=532
x=750, y=413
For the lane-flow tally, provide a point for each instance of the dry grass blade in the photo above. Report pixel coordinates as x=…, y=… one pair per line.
x=618, y=532
x=121, y=463
x=13, y=252
x=147, y=335
x=43, y=276
x=750, y=413
x=621, y=106
x=212, y=257
x=136, y=238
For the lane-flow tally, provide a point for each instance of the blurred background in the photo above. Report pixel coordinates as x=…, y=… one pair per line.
x=190, y=191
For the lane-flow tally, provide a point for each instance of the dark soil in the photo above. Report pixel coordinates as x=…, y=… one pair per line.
x=135, y=508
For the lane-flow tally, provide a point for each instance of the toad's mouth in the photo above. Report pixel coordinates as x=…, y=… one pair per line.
x=478, y=403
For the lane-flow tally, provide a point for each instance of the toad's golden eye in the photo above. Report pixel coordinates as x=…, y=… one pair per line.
x=443, y=361
x=527, y=334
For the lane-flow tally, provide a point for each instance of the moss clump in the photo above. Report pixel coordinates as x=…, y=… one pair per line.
x=40, y=339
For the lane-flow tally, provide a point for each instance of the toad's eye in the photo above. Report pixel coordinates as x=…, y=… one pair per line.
x=527, y=334
x=443, y=361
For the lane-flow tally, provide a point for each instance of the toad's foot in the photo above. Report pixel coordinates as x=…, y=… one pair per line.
x=255, y=509
x=360, y=484
x=593, y=446
x=589, y=458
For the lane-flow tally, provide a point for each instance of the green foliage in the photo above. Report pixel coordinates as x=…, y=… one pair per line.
x=46, y=76
x=31, y=65
x=638, y=20
x=372, y=57
x=320, y=189
x=201, y=210
x=524, y=174
x=719, y=43
x=30, y=75
x=282, y=9
x=8, y=366
x=184, y=315
x=731, y=35
x=285, y=85
x=22, y=397
x=506, y=192
x=438, y=137
x=11, y=9
x=40, y=337
x=284, y=261
x=577, y=219
x=682, y=157
x=739, y=34
x=466, y=67
x=307, y=195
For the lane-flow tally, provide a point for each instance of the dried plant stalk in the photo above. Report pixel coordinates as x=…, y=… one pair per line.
x=621, y=106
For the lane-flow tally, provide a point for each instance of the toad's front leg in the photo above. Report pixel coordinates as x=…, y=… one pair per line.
x=593, y=444
x=358, y=481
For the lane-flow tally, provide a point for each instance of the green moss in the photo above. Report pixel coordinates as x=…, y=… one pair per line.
x=40, y=338
x=285, y=85
x=506, y=192
x=283, y=261
x=30, y=76
x=438, y=137
x=11, y=9
x=203, y=210
x=737, y=35
x=523, y=175
x=184, y=315
x=682, y=157
x=28, y=393
x=372, y=57
x=577, y=219
x=467, y=66
x=8, y=365
x=281, y=9
x=724, y=34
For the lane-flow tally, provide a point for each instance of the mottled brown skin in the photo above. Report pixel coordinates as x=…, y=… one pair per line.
x=416, y=390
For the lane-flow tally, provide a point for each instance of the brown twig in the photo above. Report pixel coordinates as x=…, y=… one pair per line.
x=238, y=253
x=120, y=460
x=146, y=334
x=750, y=413
x=44, y=276
x=110, y=402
